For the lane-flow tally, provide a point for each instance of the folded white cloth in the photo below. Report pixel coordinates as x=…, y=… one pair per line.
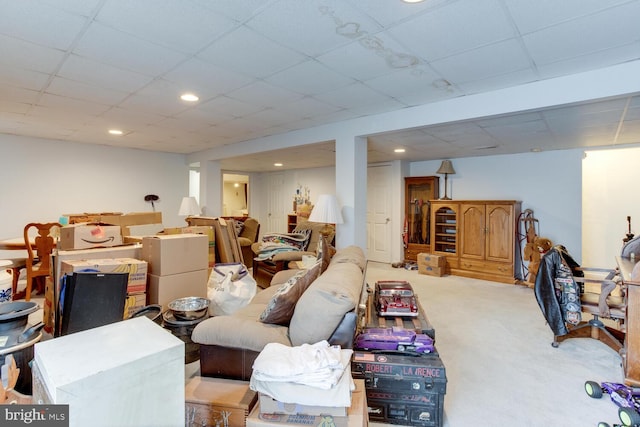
x=318, y=365
x=302, y=394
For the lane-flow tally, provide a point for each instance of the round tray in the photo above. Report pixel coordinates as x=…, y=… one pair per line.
x=170, y=319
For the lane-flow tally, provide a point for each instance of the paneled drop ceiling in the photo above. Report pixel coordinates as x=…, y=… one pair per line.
x=73, y=69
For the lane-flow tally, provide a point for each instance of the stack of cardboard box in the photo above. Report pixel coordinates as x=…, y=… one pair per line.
x=178, y=266
x=433, y=265
x=137, y=270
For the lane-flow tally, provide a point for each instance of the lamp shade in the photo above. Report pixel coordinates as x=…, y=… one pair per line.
x=446, y=167
x=326, y=210
x=189, y=206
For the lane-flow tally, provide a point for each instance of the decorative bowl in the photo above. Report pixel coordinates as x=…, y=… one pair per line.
x=189, y=308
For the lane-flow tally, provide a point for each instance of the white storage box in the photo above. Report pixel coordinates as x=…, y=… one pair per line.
x=129, y=373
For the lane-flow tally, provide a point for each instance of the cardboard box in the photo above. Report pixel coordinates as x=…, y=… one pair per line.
x=59, y=256
x=141, y=230
x=164, y=289
x=176, y=253
x=134, y=365
x=357, y=415
x=136, y=223
x=269, y=405
x=430, y=271
x=134, y=303
x=136, y=268
x=84, y=236
x=87, y=216
x=207, y=230
x=207, y=400
x=431, y=260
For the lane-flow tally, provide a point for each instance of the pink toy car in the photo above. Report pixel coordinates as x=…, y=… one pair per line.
x=394, y=339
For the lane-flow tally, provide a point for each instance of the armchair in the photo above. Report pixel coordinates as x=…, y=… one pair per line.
x=264, y=270
x=564, y=292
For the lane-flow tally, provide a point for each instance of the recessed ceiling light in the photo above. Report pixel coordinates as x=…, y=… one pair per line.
x=277, y=165
x=115, y=132
x=536, y=150
x=399, y=150
x=189, y=97
x=412, y=1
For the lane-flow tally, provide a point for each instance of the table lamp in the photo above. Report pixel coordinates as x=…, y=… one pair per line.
x=326, y=210
x=446, y=168
x=189, y=207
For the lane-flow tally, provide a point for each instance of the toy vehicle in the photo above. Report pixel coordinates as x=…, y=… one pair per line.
x=627, y=398
x=395, y=298
x=394, y=339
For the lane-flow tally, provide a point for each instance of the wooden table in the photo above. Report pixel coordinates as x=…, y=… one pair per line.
x=631, y=355
x=14, y=244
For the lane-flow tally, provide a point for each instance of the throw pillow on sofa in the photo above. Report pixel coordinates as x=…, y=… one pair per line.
x=280, y=308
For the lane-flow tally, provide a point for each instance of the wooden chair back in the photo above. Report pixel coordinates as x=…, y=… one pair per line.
x=39, y=250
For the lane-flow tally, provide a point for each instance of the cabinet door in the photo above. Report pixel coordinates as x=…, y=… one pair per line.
x=472, y=230
x=500, y=233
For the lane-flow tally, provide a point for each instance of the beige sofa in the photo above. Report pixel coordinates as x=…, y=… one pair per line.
x=327, y=309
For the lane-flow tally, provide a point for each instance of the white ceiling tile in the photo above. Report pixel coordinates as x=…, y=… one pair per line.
x=93, y=72
x=243, y=48
x=585, y=35
x=234, y=9
x=305, y=107
x=40, y=23
x=121, y=50
x=499, y=82
x=224, y=108
x=21, y=78
x=21, y=54
x=388, y=12
x=354, y=95
x=264, y=94
x=369, y=57
x=76, y=7
x=297, y=78
x=205, y=79
x=482, y=63
x=405, y=82
x=447, y=30
x=325, y=26
x=185, y=26
x=78, y=90
x=70, y=105
x=530, y=16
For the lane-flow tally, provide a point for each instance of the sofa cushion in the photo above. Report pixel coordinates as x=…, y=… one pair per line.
x=241, y=330
x=322, y=306
x=351, y=254
x=280, y=308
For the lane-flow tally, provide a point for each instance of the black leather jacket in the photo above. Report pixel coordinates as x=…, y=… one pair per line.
x=545, y=290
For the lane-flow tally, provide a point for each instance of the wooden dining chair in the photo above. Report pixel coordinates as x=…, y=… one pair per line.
x=39, y=255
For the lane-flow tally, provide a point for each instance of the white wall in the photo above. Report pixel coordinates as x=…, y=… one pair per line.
x=319, y=181
x=43, y=179
x=549, y=183
x=609, y=185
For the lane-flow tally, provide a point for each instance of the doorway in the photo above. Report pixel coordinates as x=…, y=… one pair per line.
x=235, y=194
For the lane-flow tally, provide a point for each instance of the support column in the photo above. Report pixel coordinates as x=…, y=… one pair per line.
x=351, y=190
x=211, y=188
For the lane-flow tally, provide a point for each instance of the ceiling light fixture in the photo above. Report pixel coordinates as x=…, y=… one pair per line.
x=399, y=150
x=115, y=132
x=277, y=165
x=412, y=1
x=189, y=97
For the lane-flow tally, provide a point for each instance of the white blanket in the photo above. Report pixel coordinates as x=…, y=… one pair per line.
x=304, y=389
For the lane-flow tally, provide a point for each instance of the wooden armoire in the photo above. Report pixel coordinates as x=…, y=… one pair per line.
x=478, y=238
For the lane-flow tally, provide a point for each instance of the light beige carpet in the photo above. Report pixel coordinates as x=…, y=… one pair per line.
x=501, y=368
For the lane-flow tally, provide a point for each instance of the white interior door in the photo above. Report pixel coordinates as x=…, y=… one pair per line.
x=276, y=222
x=379, y=221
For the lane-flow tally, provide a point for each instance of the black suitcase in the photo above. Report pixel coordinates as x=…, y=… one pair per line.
x=402, y=389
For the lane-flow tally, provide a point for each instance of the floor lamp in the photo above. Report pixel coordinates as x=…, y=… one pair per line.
x=327, y=211
x=446, y=168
